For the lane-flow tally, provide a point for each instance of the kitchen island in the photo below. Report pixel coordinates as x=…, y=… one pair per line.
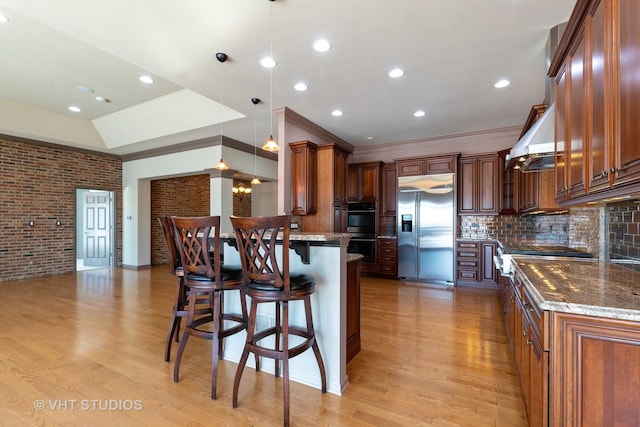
x=574, y=326
x=323, y=256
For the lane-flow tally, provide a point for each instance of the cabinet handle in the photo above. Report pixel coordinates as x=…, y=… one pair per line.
x=604, y=174
x=529, y=342
x=612, y=170
x=524, y=333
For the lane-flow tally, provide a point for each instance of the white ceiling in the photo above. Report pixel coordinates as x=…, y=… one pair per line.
x=452, y=52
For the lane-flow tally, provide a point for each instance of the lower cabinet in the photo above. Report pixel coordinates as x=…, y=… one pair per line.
x=594, y=371
x=387, y=257
x=574, y=370
x=474, y=263
x=353, y=308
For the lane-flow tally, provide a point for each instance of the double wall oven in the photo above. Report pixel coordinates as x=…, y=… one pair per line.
x=361, y=224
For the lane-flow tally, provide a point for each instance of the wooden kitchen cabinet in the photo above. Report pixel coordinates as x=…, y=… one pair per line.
x=474, y=263
x=431, y=165
x=598, y=102
x=387, y=256
x=389, y=200
x=331, y=200
x=509, y=185
x=303, y=177
x=537, y=191
x=478, y=185
x=594, y=374
x=364, y=181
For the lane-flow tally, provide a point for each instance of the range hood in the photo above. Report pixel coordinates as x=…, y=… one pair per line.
x=535, y=150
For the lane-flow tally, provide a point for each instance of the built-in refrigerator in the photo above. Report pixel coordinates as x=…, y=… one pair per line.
x=426, y=228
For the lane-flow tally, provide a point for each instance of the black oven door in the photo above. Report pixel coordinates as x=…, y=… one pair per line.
x=365, y=246
x=361, y=222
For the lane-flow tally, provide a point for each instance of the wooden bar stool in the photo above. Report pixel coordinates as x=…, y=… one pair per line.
x=268, y=283
x=206, y=276
x=180, y=303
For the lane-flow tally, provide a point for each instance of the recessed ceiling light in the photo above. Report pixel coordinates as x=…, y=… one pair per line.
x=336, y=113
x=419, y=113
x=74, y=108
x=84, y=89
x=301, y=86
x=396, y=72
x=102, y=99
x=321, y=45
x=146, y=79
x=502, y=83
x=3, y=19
x=369, y=137
x=268, y=62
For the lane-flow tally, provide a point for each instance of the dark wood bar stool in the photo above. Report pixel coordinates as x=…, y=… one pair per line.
x=268, y=283
x=205, y=275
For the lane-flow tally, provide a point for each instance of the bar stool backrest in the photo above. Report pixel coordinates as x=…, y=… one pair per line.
x=193, y=237
x=168, y=230
x=256, y=239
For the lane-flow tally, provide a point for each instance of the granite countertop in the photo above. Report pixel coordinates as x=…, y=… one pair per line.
x=581, y=286
x=305, y=236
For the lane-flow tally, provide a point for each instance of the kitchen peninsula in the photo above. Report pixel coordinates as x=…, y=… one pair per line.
x=574, y=326
x=323, y=256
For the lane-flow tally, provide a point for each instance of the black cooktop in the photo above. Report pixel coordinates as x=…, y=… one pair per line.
x=545, y=250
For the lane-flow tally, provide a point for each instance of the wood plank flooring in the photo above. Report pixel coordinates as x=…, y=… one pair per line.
x=87, y=349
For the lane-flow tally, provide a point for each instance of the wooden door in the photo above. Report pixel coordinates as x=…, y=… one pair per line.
x=576, y=160
x=562, y=118
x=467, y=192
x=488, y=185
x=389, y=190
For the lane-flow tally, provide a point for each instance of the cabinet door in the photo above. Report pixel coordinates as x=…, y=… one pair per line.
x=488, y=185
x=576, y=161
x=600, y=132
x=467, y=182
x=353, y=309
x=371, y=180
x=389, y=189
x=538, y=408
x=340, y=176
x=595, y=374
x=340, y=218
x=410, y=167
x=353, y=192
x=627, y=161
x=303, y=177
x=488, y=270
x=562, y=118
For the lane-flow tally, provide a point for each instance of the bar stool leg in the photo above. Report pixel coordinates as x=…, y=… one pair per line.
x=315, y=347
x=215, y=300
x=285, y=359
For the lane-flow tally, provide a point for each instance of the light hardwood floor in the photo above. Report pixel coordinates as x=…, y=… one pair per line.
x=87, y=349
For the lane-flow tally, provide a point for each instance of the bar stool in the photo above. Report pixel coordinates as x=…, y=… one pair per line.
x=268, y=283
x=206, y=276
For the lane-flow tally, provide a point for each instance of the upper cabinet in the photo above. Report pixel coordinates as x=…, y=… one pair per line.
x=389, y=190
x=431, y=165
x=364, y=181
x=331, y=182
x=478, y=178
x=303, y=177
x=598, y=102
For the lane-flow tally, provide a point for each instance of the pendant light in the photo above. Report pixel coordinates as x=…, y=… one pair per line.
x=255, y=180
x=271, y=144
x=221, y=57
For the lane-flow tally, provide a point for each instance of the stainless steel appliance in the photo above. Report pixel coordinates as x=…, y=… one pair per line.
x=426, y=227
x=361, y=224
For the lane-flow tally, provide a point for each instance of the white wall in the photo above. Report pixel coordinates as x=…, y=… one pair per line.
x=136, y=185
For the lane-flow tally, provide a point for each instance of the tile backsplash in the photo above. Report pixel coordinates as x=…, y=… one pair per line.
x=624, y=229
x=579, y=228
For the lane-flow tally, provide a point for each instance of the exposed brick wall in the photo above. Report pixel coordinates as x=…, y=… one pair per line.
x=38, y=182
x=183, y=196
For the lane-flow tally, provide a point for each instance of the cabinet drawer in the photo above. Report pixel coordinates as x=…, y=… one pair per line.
x=468, y=275
x=387, y=250
x=467, y=263
x=467, y=254
x=387, y=242
x=387, y=258
x=467, y=245
x=385, y=268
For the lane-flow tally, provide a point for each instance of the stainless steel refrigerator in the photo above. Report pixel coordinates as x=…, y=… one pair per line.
x=426, y=228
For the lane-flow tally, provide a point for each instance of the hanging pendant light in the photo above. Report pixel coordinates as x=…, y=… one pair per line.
x=255, y=180
x=221, y=57
x=271, y=144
